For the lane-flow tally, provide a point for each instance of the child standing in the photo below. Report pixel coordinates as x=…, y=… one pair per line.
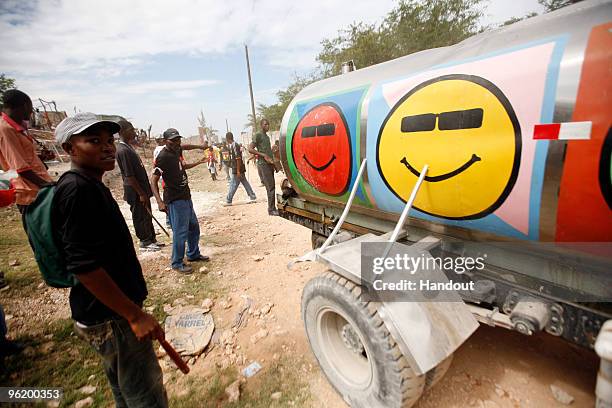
x=212, y=161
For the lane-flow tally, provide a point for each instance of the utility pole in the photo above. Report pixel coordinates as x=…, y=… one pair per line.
x=226, y=126
x=246, y=50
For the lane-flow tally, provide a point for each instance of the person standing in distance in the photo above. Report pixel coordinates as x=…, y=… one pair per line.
x=136, y=188
x=238, y=170
x=261, y=147
x=177, y=200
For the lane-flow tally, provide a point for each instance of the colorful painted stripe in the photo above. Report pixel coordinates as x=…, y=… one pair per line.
x=563, y=131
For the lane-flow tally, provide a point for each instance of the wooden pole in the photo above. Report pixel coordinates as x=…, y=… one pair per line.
x=246, y=50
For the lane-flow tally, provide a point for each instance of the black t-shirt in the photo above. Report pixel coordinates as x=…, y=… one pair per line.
x=237, y=164
x=92, y=233
x=169, y=165
x=131, y=166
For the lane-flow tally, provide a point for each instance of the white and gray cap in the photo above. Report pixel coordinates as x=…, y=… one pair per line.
x=78, y=123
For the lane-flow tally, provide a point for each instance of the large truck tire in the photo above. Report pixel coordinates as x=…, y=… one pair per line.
x=355, y=350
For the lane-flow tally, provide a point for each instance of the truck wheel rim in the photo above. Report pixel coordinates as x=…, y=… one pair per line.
x=353, y=367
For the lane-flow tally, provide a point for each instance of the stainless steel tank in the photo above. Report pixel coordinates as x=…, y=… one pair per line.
x=514, y=124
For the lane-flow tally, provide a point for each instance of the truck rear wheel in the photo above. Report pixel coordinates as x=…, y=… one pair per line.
x=355, y=350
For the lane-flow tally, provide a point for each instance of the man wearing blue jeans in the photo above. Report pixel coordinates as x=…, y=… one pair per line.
x=238, y=170
x=177, y=201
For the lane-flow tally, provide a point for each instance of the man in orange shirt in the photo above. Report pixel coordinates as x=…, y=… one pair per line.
x=17, y=150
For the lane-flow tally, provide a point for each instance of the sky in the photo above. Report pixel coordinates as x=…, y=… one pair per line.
x=160, y=62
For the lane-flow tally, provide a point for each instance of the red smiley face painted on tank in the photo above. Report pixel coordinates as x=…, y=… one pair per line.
x=321, y=149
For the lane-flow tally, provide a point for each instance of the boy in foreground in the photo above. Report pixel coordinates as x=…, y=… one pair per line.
x=106, y=303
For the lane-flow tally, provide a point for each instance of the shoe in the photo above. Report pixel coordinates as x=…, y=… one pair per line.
x=252, y=200
x=273, y=213
x=150, y=248
x=227, y=204
x=160, y=244
x=202, y=258
x=3, y=282
x=185, y=269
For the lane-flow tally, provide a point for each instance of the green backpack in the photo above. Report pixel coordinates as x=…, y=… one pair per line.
x=39, y=228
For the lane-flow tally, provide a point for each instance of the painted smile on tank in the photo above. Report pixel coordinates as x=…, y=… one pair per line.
x=444, y=176
x=320, y=168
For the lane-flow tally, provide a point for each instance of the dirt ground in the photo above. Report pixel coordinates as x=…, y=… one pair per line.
x=250, y=252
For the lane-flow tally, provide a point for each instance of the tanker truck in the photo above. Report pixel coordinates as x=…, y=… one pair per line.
x=500, y=144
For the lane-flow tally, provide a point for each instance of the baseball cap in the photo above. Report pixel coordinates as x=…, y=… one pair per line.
x=78, y=123
x=171, y=134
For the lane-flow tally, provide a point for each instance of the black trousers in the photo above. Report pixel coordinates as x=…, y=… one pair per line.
x=143, y=223
x=267, y=175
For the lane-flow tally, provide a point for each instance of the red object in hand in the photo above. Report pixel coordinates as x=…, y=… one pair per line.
x=7, y=197
x=174, y=356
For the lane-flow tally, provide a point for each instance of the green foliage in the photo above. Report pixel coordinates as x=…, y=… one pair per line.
x=552, y=5
x=274, y=113
x=517, y=19
x=5, y=85
x=410, y=27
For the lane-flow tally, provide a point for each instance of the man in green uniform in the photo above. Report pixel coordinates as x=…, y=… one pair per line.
x=261, y=146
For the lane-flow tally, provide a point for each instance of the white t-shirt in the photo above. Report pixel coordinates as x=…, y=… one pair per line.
x=156, y=151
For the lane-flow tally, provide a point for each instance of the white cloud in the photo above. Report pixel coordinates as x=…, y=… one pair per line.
x=77, y=36
x=93, y=54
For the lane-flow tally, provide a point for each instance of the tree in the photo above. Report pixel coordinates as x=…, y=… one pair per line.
x=274, y=113
x=410, y=27
x=517, y=19
x=5, y=85
x=552, y=5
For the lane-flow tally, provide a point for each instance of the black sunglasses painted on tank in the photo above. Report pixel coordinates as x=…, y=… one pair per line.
x=455, y=120
x=327, y=129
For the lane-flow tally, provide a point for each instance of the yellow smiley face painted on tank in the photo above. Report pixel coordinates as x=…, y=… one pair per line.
x=465, y=129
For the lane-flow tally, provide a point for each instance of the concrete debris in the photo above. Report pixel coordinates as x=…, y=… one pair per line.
x=203, y=269
x=233, y=391
x=87, y=389
x=241, y=318
x=225, y=304
x=276, y=395
x=207, y=303
x=14, y=262
x=259, y=335
x=189, y=329
x=227, y=338
x=84, y=403
x=266, y=309
x=257, y=258
x=150, y=309
x=561, y=395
